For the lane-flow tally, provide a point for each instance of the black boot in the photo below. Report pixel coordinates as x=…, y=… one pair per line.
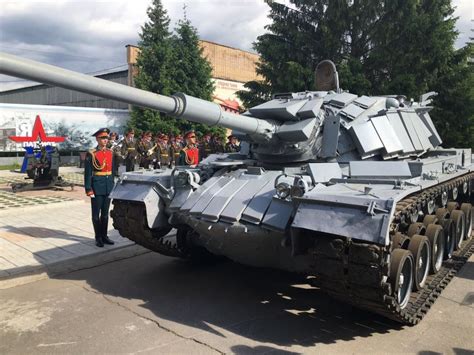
x=97, y=232
x=107, y=240
x=104, y=224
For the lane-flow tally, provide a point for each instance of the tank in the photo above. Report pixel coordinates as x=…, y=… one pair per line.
x=355, y=192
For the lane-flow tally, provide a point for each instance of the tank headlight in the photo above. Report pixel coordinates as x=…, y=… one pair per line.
x=283, y=190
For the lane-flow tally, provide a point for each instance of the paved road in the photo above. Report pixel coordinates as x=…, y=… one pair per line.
x=154, y=304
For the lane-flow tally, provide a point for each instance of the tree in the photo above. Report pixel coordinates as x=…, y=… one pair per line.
x=170, y=63
x=453, y=112
x=380, y=47
x=192, y=71
x=155, y=67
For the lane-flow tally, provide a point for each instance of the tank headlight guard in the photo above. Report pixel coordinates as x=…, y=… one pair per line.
x=299, y=188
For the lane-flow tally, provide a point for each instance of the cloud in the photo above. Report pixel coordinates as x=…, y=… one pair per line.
x=465, y=11
x=89, y=36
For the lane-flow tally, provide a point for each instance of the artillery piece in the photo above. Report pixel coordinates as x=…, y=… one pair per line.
x=353, y=190
x=41, y=165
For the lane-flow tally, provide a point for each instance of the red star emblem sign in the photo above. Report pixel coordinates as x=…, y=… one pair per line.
x=37, y=134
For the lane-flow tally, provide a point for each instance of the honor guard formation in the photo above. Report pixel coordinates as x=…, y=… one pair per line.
x=159, y=152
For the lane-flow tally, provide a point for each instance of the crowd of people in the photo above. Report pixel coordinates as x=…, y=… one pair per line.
x=161, y=150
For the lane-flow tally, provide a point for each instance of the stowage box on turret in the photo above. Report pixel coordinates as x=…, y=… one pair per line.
x=353, y=190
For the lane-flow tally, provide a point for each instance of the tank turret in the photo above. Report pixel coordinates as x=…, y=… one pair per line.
x=354, y=191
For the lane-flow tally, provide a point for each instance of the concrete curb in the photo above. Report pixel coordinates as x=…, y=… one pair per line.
x=33, y=273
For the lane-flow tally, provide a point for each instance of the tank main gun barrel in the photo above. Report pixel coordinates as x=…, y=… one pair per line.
x=178, y=105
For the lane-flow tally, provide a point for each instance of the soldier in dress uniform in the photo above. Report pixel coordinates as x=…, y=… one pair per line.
x=129, y=151
x=206, y=147
x=98, y=183
x=113, y=145
x=177, y=144
x=189, y=155
x=155, y=157
x=232, y=146
x=145, y=149
x=165, y=152
x=217, y=144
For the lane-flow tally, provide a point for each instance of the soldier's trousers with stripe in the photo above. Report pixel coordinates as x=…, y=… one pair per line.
x=100, y=215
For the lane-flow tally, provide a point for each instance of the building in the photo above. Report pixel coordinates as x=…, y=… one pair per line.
x=231, y=69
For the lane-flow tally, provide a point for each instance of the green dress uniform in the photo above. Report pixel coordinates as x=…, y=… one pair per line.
x=232, y=148
x=176, y=151
x=146, y=157
x=129, y=153
x=165, y=155
x=206, y=149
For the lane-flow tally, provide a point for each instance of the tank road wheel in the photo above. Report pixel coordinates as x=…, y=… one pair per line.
x=467, y=209
x=400, y=240
x=459, y=222
x=452, y=206
x=401, y=275
x=442, y=213
x=430, y=219
x=421, y=250
x=435, y=235
x=449, y=237
x=416, y=228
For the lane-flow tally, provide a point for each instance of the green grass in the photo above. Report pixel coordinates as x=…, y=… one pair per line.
x=10, y=167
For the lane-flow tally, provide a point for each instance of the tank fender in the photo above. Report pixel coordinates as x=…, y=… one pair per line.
x=362, y=218
x=144, y=189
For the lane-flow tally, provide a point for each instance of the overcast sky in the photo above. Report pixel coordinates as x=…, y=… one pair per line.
x=90, y=35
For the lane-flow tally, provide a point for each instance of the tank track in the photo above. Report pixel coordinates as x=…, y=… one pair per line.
x=129, y=218
x=357, y=273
